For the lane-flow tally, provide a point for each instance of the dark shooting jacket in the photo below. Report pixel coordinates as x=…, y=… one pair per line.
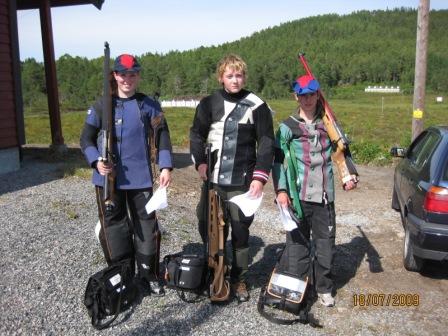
x=239, y=128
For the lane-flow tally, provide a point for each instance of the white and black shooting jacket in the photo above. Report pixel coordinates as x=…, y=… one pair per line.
x=239, y=129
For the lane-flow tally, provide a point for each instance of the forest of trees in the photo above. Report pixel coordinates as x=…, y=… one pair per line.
x=363, y=48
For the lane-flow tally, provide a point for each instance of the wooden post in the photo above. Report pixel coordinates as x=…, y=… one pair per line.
x=421, y=56
x=57, y=141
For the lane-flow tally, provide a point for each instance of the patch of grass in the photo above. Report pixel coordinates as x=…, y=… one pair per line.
x=72, y=170
x=373, y=122
x=179, y=121
x=67, y=208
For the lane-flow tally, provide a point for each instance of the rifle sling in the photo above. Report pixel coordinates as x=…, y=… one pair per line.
x=291, y=161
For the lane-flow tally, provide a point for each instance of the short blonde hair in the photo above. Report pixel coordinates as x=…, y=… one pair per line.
x=232, y=61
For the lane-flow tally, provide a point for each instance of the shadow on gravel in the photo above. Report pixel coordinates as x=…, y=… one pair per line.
x=259, y=271
x=40, y=165
x=159, y=324
x=182, y=160
x=348, y=258
x=435, y=269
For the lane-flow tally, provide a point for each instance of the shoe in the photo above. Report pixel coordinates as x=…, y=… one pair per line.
x=240, y=291
x=326, y=299
x=156, y=288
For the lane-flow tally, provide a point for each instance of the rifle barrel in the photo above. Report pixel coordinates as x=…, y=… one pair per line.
x=106, y=124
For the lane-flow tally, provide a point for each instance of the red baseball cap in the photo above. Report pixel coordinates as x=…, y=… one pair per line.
x=126, y=63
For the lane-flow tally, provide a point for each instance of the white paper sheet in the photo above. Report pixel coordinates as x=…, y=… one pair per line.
x=247, y=203
x=285, y=217
x=157, y=201
x=97, y=230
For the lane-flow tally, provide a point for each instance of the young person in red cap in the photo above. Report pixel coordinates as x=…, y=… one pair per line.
x=134, y=116
x=303, y=142
x=238, y=125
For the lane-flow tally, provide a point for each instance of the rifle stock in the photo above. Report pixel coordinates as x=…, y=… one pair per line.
x=220, y=287
x=106, y=131
x=341, y=155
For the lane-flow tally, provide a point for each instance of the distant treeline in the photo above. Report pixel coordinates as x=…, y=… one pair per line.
x=363, y=48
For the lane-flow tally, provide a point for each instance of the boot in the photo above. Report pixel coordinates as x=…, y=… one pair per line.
x=239, y=289
x=148, y=271
x=239, y=269
x=156, y=288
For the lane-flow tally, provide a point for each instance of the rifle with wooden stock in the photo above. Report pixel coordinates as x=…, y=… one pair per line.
x=106, y=131
x=219, y=287
x=341, y=154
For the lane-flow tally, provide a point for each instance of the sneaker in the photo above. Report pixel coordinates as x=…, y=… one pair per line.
x=240, y=291
x=156, y=288
x=326, y=299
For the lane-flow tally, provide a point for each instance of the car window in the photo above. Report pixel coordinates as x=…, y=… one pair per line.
x=422, y=150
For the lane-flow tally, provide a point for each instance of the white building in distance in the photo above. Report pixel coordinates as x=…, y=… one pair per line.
x=385, y=89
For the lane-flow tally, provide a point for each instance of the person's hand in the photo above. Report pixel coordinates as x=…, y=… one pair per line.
x=165, y=178
x=256, y=189
x=352, y=184
x=202, y=171
x=283, y=199
x=104, y=168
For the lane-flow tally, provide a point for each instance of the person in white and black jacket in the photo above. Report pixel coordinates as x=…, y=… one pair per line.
x=238, y=125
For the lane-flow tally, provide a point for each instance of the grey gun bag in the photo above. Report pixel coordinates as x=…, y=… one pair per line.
x=109, y=292
x=287, y=292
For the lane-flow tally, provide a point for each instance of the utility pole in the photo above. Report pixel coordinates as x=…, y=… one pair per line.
x=421, y=56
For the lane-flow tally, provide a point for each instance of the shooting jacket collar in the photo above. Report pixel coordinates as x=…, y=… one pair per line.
x=318, y=114
x=234, y=97
x=123, y=99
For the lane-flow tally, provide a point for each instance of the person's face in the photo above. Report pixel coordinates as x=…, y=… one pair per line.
x=127, y=83
x=233, y=80
x=308, y=102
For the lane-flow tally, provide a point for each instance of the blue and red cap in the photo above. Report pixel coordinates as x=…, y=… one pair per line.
x=126, y=63
x=305, y=84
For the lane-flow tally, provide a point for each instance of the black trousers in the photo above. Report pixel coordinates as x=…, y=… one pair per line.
x=234, y=219
x=128, y=231
x=318, y=223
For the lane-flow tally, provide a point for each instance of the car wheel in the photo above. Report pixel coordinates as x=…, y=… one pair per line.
x=411, y=262
x=395, y=204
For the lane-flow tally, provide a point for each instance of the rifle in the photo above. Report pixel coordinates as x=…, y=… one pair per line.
x=106, y=132
x=341, y=154
x=219, y=288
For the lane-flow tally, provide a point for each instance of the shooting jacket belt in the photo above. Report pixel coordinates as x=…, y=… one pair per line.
x=230, y=142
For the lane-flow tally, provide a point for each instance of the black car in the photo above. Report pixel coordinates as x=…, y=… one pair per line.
x=421, y=195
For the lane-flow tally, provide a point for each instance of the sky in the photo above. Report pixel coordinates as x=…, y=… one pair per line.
x=141, y=26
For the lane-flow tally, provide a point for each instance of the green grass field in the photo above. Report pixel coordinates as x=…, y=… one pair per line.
x=374, y=122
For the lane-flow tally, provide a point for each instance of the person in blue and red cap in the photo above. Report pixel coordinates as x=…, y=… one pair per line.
x=304, y=147
x=136, y=116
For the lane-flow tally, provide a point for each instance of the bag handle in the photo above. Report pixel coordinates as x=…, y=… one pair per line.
x=305, y=317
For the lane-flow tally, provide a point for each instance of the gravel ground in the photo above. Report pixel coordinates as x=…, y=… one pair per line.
x=49, y=251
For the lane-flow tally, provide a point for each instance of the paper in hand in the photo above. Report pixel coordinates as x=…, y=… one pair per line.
x=97, y=230
x=247, y=203
x=157, y=201
x=285, y=217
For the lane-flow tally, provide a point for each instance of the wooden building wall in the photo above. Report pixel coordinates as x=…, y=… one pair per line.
x=9, y=130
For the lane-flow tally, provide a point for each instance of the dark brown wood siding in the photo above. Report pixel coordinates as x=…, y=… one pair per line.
x=8, y=118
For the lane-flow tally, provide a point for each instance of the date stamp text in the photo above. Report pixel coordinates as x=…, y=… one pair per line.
x=386, y=300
